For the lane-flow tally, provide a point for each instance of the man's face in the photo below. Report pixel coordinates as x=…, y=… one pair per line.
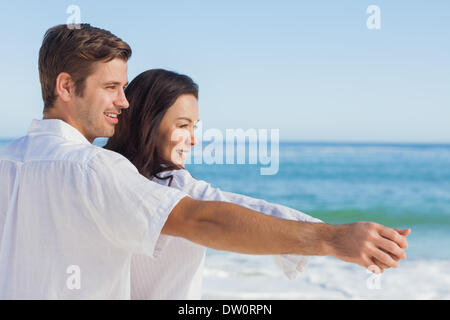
x=95, y=114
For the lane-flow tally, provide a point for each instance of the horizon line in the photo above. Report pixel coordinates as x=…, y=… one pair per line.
x=324, y=141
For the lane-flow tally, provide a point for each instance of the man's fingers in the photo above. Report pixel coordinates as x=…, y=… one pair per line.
x=390, y=248
x=403, y=232
x=384, y=258
x=393, y=235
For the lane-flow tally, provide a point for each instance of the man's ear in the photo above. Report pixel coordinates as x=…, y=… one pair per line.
x=65, y=87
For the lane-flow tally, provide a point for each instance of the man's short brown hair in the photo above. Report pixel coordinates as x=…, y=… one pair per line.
x=74, y=50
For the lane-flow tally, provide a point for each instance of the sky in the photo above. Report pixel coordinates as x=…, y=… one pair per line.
x=312, y=69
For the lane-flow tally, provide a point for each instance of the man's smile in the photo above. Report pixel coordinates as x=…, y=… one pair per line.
x=112, y=117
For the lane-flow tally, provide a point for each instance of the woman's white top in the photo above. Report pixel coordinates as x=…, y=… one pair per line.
x=177, y=272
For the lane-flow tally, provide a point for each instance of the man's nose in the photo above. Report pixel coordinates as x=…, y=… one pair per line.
x=122, y=101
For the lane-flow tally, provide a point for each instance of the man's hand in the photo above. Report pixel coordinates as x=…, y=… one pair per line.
x=381, y=266
x=369, y=245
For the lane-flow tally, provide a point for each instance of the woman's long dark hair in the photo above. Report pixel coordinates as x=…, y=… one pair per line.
x=150, y=95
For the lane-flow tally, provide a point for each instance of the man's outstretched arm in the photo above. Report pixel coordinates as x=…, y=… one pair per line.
x=230, y=227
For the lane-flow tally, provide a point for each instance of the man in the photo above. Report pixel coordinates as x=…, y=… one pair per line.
x=69, y=207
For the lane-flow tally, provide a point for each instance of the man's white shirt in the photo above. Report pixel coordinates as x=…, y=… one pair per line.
x=72, y=215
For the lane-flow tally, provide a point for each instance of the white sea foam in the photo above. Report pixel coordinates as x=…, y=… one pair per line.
x=325, y=278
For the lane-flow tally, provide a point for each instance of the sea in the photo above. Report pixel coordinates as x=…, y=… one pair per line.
x=396, y=185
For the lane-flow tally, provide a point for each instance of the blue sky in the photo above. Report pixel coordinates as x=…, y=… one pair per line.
x=309, y=68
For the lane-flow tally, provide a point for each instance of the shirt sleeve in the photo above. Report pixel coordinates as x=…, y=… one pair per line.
x=128, y=209
x=290, y=264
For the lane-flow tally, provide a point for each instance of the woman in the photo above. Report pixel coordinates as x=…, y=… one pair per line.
x=156, y=134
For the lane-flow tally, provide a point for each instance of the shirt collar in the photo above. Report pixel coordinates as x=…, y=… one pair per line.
x=56, y=127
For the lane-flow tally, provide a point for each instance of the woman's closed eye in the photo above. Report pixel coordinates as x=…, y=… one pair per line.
x=187, y=126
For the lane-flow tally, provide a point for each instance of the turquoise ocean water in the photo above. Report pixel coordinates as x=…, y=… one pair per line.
x=397, y=185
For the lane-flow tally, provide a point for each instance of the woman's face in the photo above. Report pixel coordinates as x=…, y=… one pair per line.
x=176, y=131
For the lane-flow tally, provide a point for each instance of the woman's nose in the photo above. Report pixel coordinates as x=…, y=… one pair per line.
x=194, y=140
